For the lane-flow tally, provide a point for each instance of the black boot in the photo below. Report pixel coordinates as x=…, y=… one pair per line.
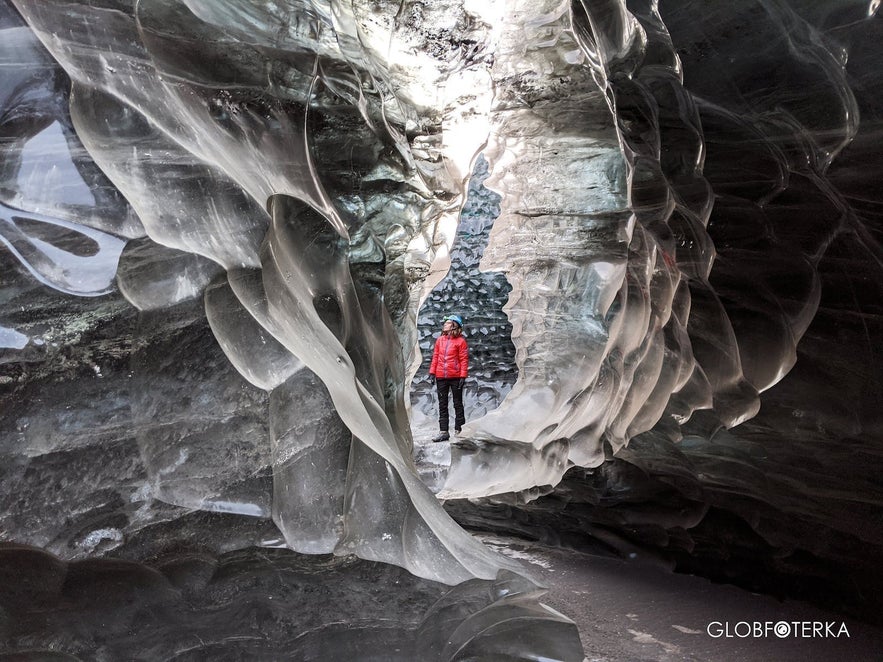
x=442, y=436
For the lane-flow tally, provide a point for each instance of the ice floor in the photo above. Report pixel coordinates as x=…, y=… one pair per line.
x=627, y=611
x=634, y=611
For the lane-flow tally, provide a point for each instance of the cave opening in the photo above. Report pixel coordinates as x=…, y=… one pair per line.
x=478, y=297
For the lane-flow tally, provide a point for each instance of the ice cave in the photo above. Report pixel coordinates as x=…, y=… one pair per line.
x=229, y=230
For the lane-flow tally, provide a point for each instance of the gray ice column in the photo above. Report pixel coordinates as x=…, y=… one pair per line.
x=311, y=448
x=338, y=328
x=562, y=239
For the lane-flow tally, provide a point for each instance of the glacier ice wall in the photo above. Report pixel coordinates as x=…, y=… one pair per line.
x=685, y=190
x=747, y=130
x=172, y=101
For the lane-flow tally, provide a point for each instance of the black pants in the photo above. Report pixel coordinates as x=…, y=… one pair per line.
x=452, y=385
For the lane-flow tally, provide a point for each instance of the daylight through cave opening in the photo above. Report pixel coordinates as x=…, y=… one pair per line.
x=478, y=297
x=685, y=222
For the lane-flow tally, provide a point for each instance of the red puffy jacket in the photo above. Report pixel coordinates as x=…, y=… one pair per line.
x=450, y=358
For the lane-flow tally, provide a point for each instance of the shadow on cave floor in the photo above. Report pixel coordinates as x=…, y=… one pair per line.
x=628, y=611
x=639, y=610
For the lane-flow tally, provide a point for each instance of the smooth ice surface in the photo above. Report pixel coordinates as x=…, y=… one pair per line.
x=266, y=604
x=244, y=179
x=688, y=225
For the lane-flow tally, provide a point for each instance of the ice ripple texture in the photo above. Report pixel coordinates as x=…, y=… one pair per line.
x=264, y=605
x=301, y=166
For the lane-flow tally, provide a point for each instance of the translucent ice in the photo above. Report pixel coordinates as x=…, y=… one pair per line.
x=301, y=167
x=268, y=604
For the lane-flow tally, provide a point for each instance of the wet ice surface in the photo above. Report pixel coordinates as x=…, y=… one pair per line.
x=266, y=604
x=689, y=204
x=309, y=260
x=464, y=467
x=308, y=277
x=433, y=459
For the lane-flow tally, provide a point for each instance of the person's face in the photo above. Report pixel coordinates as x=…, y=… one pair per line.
x=447, y=326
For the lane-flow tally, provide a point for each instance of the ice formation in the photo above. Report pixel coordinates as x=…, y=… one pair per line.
x=263, y=604
x=298, y=168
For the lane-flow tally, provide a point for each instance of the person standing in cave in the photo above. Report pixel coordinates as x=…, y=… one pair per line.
x=449, y=369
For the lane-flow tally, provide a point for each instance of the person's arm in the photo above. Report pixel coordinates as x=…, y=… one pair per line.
x=434, y=363
x=464, y=359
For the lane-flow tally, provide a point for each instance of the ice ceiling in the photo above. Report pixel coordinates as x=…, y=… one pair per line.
x=221, y=217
